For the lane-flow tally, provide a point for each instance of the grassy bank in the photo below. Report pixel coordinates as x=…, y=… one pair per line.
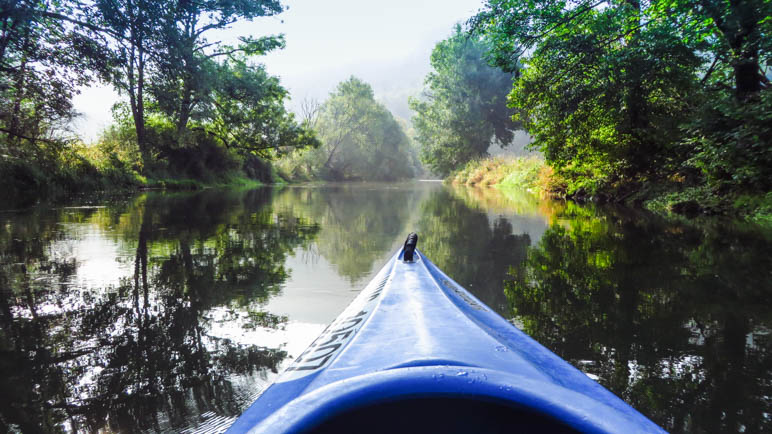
x=528, y=173
x=534, y=175
x=24, y=181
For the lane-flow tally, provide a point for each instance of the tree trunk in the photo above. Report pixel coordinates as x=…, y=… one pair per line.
x=139, y=120
x=14, y=126
x=639, y=153
x=746, y=74
x=739, y=26
x=185, y=106
x=136, y=87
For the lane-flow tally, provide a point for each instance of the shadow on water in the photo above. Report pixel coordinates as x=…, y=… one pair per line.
x=671, y=316
x=138, y=355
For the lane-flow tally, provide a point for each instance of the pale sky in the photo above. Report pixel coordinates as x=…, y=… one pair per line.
x=387, y=44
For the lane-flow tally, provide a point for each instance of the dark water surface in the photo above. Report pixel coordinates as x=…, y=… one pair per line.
x=172, y=312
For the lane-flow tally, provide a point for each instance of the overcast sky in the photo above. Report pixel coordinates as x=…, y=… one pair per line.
x=386, y=43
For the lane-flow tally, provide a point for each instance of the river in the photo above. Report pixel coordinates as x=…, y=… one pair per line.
x=171, y=312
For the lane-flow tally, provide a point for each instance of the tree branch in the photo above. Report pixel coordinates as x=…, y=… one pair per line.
x=89, y=26
x=33, y=139
x=709, y=71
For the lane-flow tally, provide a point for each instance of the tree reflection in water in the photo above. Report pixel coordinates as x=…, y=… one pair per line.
x=474, y=249
x=138, y=355
x=361, y=224
x=672, y=317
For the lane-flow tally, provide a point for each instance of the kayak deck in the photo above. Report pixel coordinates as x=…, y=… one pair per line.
x=417, y=352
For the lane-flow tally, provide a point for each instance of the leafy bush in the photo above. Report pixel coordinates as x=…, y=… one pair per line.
x=733, y=142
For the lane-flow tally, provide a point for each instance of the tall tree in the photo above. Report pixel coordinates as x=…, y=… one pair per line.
x=184, y=82
x=134, y=26
x=360, y=139
x=464, y=107
x=247, y=111
x=604, y=88
x=46, y=52
x=620, y=92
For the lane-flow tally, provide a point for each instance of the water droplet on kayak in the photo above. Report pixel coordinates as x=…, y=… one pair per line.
x=501, y=349
x=462, y=374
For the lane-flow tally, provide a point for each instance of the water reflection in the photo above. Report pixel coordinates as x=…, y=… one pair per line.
x=473, y=247
x=673, y=317
x=164, y=312
x=138, y=355
x=361, y=223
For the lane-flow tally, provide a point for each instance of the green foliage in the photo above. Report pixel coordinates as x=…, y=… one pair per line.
x=733, y=142
x=602, y=96
x=195, y=108
x=71, y=169
x=463, y=109
x=618, y=95
x=248, y=115
x=360, y=140
x=186, y=76
x=518, y=172
x=758, y=208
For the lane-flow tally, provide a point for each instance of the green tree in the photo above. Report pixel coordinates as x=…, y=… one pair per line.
x=44, y=57
x=731, y=133
x=247, y=112
x=185, y=79
x=604, y=88
x=134, y=30
x=360, y=139
x=619, y=93
x=464, y=107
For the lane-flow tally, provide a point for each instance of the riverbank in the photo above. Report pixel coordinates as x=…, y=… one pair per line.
x=673, y=198
x=24, y=182
x=529, y=173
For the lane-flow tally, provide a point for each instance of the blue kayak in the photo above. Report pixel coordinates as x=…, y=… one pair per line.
x=415, y=352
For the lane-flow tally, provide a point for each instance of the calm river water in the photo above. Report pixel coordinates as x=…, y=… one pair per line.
x=170, y=312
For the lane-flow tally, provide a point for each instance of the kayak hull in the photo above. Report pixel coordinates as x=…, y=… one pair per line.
x=414, y=336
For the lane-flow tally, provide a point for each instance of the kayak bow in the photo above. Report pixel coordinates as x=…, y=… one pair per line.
x=415, y=352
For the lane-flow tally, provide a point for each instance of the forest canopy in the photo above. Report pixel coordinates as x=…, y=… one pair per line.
x=620, y=94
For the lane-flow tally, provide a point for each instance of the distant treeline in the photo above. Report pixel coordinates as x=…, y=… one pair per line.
x=624, y=99
x=360, y=140
x=193, y=106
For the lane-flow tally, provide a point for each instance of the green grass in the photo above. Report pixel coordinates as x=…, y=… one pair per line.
x=513, y=172
x=228, y=180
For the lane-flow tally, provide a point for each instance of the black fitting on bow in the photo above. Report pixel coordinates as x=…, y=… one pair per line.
x=409, y=249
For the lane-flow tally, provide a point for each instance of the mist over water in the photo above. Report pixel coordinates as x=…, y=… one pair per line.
x=172, y=312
